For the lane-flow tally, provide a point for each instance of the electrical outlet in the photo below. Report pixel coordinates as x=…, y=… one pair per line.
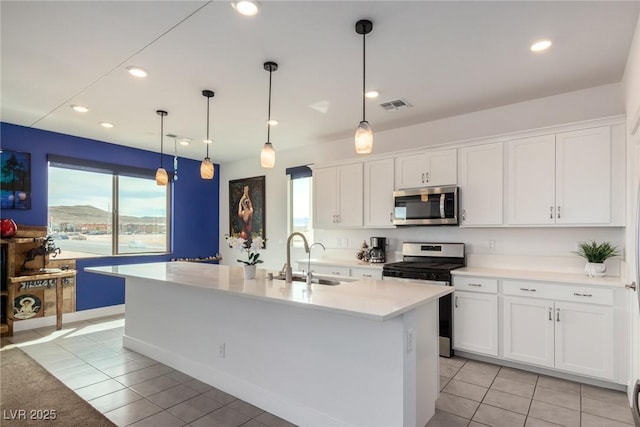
x=222, y=350
x=411, y=338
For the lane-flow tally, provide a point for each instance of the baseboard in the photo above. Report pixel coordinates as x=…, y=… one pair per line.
x=249, y=392
x=77, y=316
x=543, y=371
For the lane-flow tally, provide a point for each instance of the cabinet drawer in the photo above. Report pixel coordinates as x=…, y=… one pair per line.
x=585, y=294
x=333, y=270
x=558, y=292
x=476, y=284
x=528, y=289
x=366, y=273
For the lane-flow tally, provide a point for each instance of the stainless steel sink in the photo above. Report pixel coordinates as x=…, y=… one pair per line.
x=315, y=280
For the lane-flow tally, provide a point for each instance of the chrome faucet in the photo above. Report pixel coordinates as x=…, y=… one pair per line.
x=288, y=274
x=309, y=274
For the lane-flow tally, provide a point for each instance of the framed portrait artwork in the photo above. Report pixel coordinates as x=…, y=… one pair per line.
x=15, y=183
x=247, y=208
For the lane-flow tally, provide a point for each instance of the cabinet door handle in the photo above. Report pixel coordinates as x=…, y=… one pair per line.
x=390, y=216
x=631, y=286
x=475, y=285
x=427, y=175
x=557, y=314
x=558, y=212
x=336, y=273
x=582, y=295
x=456, y=302
x=423, y=177
x=550, y=318
x=527, y=289
x=367, y=275
x=550, y=212
x=464, y=214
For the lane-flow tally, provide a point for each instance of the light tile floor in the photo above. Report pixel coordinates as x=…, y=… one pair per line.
x=133, y=390
x=478, y=394
x=129, y=388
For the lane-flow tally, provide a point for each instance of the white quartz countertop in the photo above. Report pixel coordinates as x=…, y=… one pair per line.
x=368, y=298
x=569, y=278
x=342, y=263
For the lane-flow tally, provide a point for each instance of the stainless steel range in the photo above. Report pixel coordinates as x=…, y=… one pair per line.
x=431, y=263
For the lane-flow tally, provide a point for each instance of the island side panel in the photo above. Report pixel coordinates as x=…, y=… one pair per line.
x=421, y=363
x=308, y=366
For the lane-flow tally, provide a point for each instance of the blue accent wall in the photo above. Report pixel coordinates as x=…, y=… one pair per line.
x=195, y=211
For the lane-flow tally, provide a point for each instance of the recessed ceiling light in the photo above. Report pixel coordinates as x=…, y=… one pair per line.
x=372, y=94
x=540, y=46
x=272, y=122
x=80, y=108
x=245, y=7
x=137, y=71
x=106, y=125
x=184, y=141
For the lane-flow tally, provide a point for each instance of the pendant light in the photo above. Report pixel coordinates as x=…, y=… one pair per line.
x=175, y=157
x=161, y=174
x=268, y=154
x=206, y=167
x=364, y=133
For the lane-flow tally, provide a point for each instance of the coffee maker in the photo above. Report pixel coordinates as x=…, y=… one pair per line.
x=377, y=251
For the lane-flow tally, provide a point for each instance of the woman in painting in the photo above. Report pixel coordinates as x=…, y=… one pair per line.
x=245, y=213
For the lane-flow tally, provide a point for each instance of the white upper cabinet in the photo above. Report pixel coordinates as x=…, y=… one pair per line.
x=531, y=180
x=481, y=184
x=564, y=178
x=583, y=176
x=337, y=196
x=429, y=169
x=378, y=193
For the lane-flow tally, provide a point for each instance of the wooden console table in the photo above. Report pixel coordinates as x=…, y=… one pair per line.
x=17, y=281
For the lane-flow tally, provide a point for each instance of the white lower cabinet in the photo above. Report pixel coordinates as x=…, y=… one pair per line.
x=584, y=339
x=527, y=331
x=475, y=319
x=573, y=337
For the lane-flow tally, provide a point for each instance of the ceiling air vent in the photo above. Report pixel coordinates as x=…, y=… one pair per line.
x=396, y=104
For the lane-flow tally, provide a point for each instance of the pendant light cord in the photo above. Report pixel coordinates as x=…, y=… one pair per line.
x=161, y=139
x=269, y=114
x=364, y=75
x=208, y=140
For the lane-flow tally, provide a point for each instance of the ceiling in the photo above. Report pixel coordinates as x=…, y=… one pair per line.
x=444, y=58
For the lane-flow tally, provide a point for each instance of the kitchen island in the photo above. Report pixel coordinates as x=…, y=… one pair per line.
x=360, y=353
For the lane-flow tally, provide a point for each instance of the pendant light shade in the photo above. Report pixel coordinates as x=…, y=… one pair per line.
x=364, y=138
x=206, y=167
x=268, y=154
x=161, y=174
x=364, y=133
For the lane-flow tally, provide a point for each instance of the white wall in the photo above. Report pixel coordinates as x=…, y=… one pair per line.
x=631, y=86
x=575, y=106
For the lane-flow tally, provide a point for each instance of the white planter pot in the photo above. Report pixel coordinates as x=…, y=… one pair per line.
x=595, y=269
x=249, y=271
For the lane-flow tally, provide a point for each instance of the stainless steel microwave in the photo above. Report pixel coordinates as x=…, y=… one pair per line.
x=426, y=206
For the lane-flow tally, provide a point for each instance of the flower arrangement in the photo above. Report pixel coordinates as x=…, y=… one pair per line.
x=251, y=247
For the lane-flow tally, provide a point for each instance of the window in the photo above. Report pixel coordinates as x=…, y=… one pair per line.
x=300, y=203
x=102, y=210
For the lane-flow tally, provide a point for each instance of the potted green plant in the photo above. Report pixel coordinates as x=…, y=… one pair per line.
x=596, y=254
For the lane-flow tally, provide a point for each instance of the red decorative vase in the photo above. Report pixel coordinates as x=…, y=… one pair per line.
x=8, y=227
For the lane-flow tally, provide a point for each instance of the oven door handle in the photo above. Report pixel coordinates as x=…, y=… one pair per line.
x=442, y=206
